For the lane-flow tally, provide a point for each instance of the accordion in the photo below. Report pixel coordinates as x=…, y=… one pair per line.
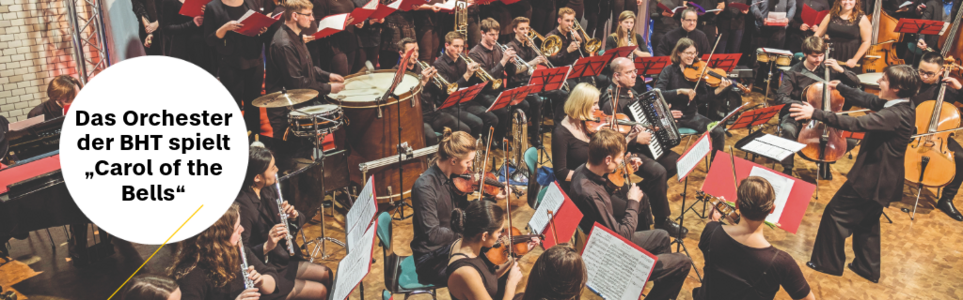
x=650, y=107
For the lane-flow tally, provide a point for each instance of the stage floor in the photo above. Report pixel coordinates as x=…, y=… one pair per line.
x=921, y=259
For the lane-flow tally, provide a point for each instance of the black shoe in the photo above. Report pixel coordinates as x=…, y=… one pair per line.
x=946, y=205
x=673, y=228
x=813, y=266
x=851, y=268
x=787, y=170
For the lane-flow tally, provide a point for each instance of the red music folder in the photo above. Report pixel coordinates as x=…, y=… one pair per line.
x=755, y=117
x=330, y=25
x=384, y=10
x=739, y=6
x=549, y=79
x=589, y=66
x=407, y=5
x=719, y=183
x=617, y=268
x=362, y=13
x=192, y=8
x=566, y=217
x=253, y=23
x=676, y=10
x=812, y=17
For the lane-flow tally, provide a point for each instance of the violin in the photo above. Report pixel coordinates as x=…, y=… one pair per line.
x=712, y=76
x=472, y=181
x=620, y=177
x=622, y=124
x=823, y=143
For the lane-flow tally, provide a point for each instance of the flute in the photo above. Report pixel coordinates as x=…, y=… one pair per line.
x=248, y=283
x=284, y=217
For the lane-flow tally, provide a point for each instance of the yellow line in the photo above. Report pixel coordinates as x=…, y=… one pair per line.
x=155, y=252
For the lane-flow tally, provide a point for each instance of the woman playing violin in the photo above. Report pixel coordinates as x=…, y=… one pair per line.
x=684, y=96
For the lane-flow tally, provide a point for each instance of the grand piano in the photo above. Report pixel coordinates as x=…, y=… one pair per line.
x=33, y=195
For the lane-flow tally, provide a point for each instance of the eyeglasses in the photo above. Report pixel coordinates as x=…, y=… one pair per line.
x=690, y=20
x=306, y=15
x=690, y=53
x=927, y=74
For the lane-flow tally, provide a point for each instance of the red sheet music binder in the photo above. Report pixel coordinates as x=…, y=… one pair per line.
x=548, y=79
x=812, y=17
x=384, y=10
x=651, y=65
x=719, y=183
x=330, y=25
x=598, y=228
x=589, y=66
x=253, y=23
x=917, y=26
x=738, y=6
x=407, y=5
x=566, y=222
x=362, y=13
x=725, y=61
x=510, y=97
x=756, y=117
x=192, y=8
x=463, y=95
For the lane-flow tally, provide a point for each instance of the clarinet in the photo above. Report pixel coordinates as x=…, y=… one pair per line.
x=284, y=217
x=248, y=283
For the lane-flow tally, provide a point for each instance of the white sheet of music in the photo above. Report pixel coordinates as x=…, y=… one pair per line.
x=692, y=158
x=782, y=142
x=772, y=146
x=552, y=201
x=360, y=215
x=353, y=268
x=616, y=270
x=781, y=185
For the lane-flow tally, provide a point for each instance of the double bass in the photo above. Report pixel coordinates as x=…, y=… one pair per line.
x=823, y=143
x=950, y=43
x=882, y=52
x=928, y=161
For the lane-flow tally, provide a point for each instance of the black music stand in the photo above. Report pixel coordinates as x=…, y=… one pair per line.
x=390, y=93
x=648, y=66
x=685, y=190
x=589, y=66
x=919, y=27
x=755, y=117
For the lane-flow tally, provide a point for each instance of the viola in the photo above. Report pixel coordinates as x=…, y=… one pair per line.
x=950, y=43
x=620, y=177
x=712, y=76
x=470, y=182
x=823, y=143
x=622, y=124
x=503, y=249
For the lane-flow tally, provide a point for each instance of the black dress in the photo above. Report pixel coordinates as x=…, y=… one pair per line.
x=568, y=152
x=258, y=216
x=484, y=268
x=845, y=38
x=185, y=40
x=196, y=286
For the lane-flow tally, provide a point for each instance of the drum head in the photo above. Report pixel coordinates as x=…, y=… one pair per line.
x=323, y=110
x=364, y=89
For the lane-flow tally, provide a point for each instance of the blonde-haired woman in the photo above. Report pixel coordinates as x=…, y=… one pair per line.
x=625, y=35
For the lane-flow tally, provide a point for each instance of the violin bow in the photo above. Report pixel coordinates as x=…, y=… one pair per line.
x=508, y=200
x=551, y=220
x=481, y=185
x=706, y=68
x=735, y=179
x=615, y=105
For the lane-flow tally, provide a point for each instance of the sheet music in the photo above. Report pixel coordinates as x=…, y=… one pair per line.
x=688, y=161
x=551, y=201
x=360, y=215
x=353, y=268
x=21, y=125
x=615, y=269
x=781, y=185
x=782, y=142
x=767, y=150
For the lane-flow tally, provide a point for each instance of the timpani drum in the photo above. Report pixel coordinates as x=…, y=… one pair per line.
x=868, y=81
x=372, y=128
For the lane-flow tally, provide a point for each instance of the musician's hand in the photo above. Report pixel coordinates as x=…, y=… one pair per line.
x=249, y=294
x=289, y=209
x=715, y=215
x=745, y=11
x=723, y=84
x=263, y=30
x=834, y=83
x=349, y=20
x=804, y=27
x=921, y=44
x=832, y=63
x=801, y=112
x=953, y=83
x=815, y=28
x=232, y=26
x=572, y=47
x=504, y=194
x=720, y=6
x=851, y=63
x=635, y=162
x=377, y=21
x=151, y=27
x=633, y=133
x=359, y=25
x=336, y=87
x=149, y=40
x=507, y=56
x=644, y=138
x=275, y=235
x=691, y=93
x=199, y=20
x=335, y=78
x=514, y=275
x=668, y=14
x=254, y=276
x=676, y=114
x=308, y=38
x=426, y=75
x=535, y=241
x=635, y=193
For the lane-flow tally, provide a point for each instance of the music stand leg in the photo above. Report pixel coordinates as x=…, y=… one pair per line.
x=768, y=82
x=887, y=218
x=678, y=239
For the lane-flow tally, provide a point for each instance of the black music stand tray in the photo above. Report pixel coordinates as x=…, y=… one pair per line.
x=919, y=27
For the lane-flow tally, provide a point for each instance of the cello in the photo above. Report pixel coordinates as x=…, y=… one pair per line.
x=882, y=52
x=932, y=116
x=823, y=143
x=950, y=43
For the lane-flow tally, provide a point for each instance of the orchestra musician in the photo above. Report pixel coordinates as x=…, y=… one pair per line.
x=664, y=22
x=931, y=71
x=496, y=63
x=558, y=274
x=571, y=40
x=798, y=31
x=606, y=152
x=732, y=27
x=686, y=97
x=526, y=52
x=654, y=173
x=265, y=234
x=740, y=263
x=849, y=29
x=434, y=120
x=456, y=70
x=796, y=80
x=151, y=287
x=289, y=63
x=876, y=178
x=208, y=266
x=932, y=10
x=60, y=93
x=772, y=36
x=690, y=18
x=338, y=52
x=625, y=35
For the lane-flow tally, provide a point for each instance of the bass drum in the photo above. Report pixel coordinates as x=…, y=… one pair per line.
x=372, y=130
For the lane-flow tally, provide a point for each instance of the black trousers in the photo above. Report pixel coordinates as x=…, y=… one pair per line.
x=655, y=173
x=438, y=120
x=503, y=116
x=849, y=214
x=670, y=270
x=245, y=86
x=949, y=192
x=474, y=116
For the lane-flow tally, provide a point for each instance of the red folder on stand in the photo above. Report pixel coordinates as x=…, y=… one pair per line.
x=192, y=8
x=463, y=95
x=719, y=183
x=549, y=79
x=755, y=117
x=621, y=51
x=254, y=22
x=566, y=221
x=589, y=66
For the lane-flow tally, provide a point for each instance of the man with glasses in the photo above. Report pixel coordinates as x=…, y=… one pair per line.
x=654, y=171
x=690, y=18
x=931, y=73
x=800, y=76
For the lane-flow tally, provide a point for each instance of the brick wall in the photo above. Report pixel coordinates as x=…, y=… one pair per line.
x=36, y=45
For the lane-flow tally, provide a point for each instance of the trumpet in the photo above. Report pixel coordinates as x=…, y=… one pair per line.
x=480, y=73
x=519, y=63
x=461, y=17
x=284, y=216
x=592, y=45
x=248, y=283
x=440, y=81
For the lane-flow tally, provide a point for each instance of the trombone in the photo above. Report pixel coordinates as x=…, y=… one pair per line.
x=481, y=74
x=531, y=43
x=440, y=81
x=519, y=63
x=593, y=44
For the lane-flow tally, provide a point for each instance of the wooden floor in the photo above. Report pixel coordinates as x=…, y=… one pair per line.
x=921, y=259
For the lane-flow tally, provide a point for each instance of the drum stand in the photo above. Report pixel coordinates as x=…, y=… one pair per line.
x=319, y=242
x=769, y=80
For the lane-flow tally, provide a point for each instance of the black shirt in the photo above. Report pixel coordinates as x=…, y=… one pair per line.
x=626, y=96
x=730, y=265
x=235, y=50
x=611, y=42
x=452, y=70
x=794, y=82
x=878, y=171
x=49, y=109
x=344, y=40
x=672, y=79
x=563, y=57
x=485, y=269
x=663, y=23
x=527, y=54
x=490, y=60
x=592, y=198
x=433, y=200
x=568, y=153
x=196, y=285
x=258, y=216
x=289, y=65
x=181, y=32
x=931, y=91
x=672, y=37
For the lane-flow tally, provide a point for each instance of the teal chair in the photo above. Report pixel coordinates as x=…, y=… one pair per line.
x=385, y=295
x=400, y=276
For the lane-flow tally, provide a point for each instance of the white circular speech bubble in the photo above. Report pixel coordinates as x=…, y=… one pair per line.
x=131, y=143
